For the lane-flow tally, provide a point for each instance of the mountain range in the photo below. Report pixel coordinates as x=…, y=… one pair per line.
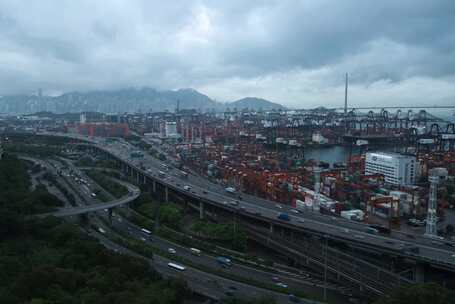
x=127, y=100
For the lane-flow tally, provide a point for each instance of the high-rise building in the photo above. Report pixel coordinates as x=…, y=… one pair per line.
x=398, y=169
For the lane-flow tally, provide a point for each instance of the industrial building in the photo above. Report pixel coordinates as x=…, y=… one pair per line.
x=398, y=169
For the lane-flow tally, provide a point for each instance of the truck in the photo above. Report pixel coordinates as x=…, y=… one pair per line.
x=230, y=189
x=223, y=261
x=283, y=216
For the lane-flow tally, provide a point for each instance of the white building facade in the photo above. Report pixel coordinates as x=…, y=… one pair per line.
x=398, y=169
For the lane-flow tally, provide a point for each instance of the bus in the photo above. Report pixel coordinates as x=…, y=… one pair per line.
x=146, y=231
x=195, y=251
x=176, y=266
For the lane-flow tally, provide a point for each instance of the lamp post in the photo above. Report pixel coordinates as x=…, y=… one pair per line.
x=325, y=267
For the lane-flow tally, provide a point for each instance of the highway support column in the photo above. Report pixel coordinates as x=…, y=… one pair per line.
x=109, y=214
x=201, y=210
x=419, y=273
x=166, y=194
x=154, y=186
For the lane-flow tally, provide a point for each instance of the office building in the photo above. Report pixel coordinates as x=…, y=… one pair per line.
x=398, y=169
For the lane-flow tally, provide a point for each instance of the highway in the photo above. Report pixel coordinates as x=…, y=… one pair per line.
x=208, y=284
x=298, y=282
x=434, y=251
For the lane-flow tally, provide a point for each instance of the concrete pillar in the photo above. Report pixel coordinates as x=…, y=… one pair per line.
x=271, y=228
x=145, y=179
x=201, y=210
x=419, y=272
x=154, y=186
x=166, y=194
x=109, y=214
x=138, y=177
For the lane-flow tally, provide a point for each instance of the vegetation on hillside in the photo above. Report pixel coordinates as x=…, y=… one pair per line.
x=114, y=188
x=50, y=261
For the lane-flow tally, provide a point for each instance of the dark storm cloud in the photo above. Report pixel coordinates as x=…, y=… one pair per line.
x=292, y=51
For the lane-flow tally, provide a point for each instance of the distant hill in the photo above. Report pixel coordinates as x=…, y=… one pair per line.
x=254, y=103
x=125, y=100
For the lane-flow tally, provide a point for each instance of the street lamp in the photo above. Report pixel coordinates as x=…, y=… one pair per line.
x=325, y=266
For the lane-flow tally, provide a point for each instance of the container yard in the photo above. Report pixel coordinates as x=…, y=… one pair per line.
x=263, y=154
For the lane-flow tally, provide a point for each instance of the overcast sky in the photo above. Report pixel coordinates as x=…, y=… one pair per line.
x=292, y=52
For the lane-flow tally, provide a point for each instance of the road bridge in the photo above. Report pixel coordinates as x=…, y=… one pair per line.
x=418, y=251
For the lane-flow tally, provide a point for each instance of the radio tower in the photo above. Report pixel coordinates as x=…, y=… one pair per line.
x=434, y=176
x=346, y=104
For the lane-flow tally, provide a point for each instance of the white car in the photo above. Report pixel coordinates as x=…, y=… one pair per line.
x=294, y=211
x=278, y=206
x=171, y=250
x=281, y=285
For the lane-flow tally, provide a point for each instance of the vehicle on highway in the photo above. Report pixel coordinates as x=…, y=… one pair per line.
x=101, y=230
x=171, y=250
x=224, y=262
x=301, y=220
x=416, y=222
x=371, y=230
x=275, y=279
x=195, y=251
x=278, y=206
x=146, y=231
x=161, y=174
x=294, y=211
x=230, y=189
x=380, y=228
x=176, y=266
x=187, y=188
x=293, y=298
x=280, y=284
x=283, y=216
x=184, y=174
x=233, y=203
x=204, y=192
x=93, y=194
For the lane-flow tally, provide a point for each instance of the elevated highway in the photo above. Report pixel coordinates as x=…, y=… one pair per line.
x=417, y=250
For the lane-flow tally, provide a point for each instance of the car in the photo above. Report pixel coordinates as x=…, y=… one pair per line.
x=203, y=191
x=293, y=298
x=294, y=211
x=301, y=220
x=143, y=239
x=171, y=250
x=282, y=285
x=278, y=206
x=275, y=279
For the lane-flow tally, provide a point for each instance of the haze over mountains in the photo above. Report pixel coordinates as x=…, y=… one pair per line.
x=126, y=100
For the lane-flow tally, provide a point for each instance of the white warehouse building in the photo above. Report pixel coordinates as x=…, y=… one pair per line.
x=398, y=169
